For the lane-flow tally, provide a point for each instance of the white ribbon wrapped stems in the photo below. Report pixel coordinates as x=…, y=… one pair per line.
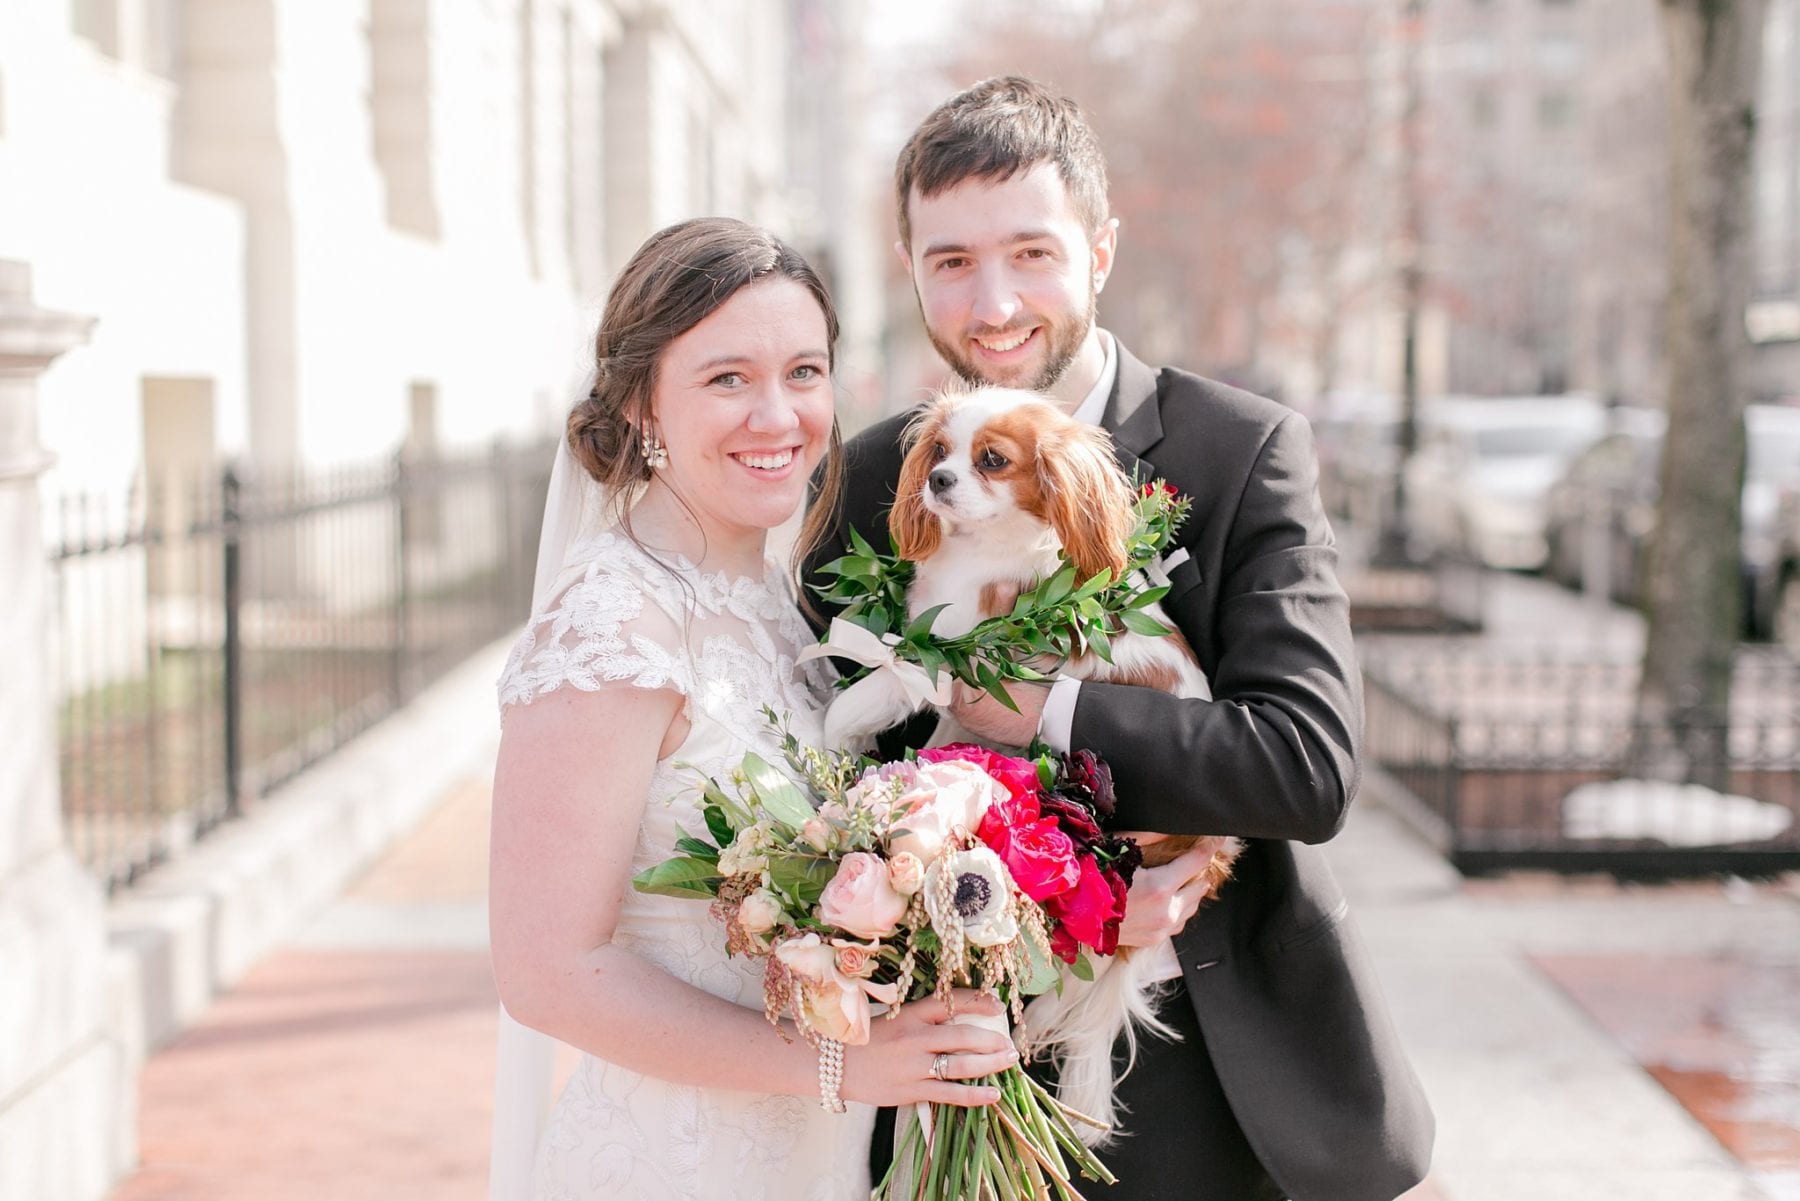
x=847, y=640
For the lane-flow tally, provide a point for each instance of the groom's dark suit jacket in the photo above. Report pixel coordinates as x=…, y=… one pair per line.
x=1278, y=977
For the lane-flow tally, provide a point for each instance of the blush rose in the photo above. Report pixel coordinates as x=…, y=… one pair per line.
x=861, y=899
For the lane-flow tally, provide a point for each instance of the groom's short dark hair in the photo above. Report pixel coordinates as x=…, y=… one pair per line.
x=995, y=130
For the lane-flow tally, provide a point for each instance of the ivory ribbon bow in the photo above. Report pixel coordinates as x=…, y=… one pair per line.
x=847, y=640
x=1158, y=569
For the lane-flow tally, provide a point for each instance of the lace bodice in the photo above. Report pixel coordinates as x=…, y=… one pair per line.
x=727, y=645
x=622, y=619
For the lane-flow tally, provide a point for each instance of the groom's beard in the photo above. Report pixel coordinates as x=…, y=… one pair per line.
x=1063, y=338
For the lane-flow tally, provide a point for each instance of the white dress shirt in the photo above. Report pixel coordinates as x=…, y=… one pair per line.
x=1057, y=720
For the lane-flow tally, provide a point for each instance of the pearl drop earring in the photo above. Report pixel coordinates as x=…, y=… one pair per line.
x=655, y=453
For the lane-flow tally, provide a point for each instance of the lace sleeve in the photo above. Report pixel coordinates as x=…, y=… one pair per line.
x=598, y=631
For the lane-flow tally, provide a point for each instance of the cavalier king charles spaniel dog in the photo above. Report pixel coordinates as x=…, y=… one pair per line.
x=996, y=483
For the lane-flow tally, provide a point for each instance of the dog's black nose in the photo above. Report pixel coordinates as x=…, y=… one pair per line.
x=941, y=479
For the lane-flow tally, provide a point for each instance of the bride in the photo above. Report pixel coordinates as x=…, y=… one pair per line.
x=658, y=633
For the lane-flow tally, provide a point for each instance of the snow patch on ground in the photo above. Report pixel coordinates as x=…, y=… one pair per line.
x=1681, y=815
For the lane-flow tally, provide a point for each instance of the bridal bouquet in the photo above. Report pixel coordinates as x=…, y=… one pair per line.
x=899, y=880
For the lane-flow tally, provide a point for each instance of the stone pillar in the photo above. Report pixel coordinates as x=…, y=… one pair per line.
x=63, y=1080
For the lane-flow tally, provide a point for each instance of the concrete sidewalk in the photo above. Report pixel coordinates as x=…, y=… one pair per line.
x=1536, y=1009
x=1578, y=1039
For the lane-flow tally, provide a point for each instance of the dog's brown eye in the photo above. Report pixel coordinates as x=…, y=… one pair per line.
x=991, y=460
x=938, y=451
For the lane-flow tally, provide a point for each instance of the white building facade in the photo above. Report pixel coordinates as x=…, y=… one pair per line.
x=314, y=232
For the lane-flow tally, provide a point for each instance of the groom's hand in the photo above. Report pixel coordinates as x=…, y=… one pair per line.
x=1162, y=899
x=991, y=721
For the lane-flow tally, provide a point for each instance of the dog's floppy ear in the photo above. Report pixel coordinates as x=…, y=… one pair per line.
x=1089, y=498
x=912, y=527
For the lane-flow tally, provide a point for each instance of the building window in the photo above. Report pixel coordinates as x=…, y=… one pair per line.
x=400, y=113
x=139, y=32
x=1556, y=110
x=1558, y=54
x=97, y=21
x=1483, y=109
x=1480, y=53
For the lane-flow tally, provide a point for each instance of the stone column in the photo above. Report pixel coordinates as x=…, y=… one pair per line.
x=63, y=1080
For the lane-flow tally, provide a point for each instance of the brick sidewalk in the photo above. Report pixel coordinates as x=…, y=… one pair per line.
x=352, y=1066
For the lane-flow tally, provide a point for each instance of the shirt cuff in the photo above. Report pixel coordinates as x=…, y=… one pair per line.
x=1056, y=724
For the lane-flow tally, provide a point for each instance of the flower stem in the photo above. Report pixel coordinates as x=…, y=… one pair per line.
x=1030, y=1148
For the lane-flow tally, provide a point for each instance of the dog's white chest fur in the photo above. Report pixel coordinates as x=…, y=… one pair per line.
x=970, y=561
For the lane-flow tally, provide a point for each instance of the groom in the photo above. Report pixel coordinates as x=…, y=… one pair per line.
x=1288, y=1080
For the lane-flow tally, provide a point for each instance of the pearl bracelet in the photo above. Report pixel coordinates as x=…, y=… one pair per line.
x=831, y=1075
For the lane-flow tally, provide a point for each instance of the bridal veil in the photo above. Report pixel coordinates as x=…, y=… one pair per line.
x=525, y=1058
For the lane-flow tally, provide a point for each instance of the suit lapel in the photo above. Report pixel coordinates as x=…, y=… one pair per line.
x=1133, y=414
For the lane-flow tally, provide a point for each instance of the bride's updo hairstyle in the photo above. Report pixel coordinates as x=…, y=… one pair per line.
x=677, y=279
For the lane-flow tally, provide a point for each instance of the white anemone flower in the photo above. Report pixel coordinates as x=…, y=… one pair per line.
x=977, y=899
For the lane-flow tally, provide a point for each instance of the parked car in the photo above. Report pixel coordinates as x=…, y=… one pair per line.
x=1478, y=482
x=1621, y=475
x=1784, y=615
x=1356, y=465
x=1610, y=485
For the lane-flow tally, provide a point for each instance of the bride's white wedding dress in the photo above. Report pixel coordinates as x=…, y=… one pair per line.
x=623, y=620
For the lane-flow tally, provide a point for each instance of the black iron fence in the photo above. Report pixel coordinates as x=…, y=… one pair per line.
x=1539, y=763
x=213, y=637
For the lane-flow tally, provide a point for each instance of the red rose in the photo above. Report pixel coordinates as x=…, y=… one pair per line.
x=1155, y=486
x=1020, y=776
x=1084, y=769
x=1041, y=859
x=1062, y=945
x=1085, y=909
x=1123, y=856
x=1015, y=810
x=1040, y=856
x=1109, y=933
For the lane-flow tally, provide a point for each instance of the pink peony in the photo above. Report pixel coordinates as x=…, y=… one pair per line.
x=861, y=899
x=1018, y=776
x=943, y=798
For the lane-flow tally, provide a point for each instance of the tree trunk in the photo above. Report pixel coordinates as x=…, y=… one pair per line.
x=1693, y=588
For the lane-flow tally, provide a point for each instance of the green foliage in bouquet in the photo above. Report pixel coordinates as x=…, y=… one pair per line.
x=764, y=795
x=1059, y=619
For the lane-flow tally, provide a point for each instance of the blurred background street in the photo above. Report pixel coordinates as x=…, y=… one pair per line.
x=1579, y=1037
x=294, y=297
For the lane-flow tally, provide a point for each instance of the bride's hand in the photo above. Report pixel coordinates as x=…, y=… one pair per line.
x=894, y=1067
